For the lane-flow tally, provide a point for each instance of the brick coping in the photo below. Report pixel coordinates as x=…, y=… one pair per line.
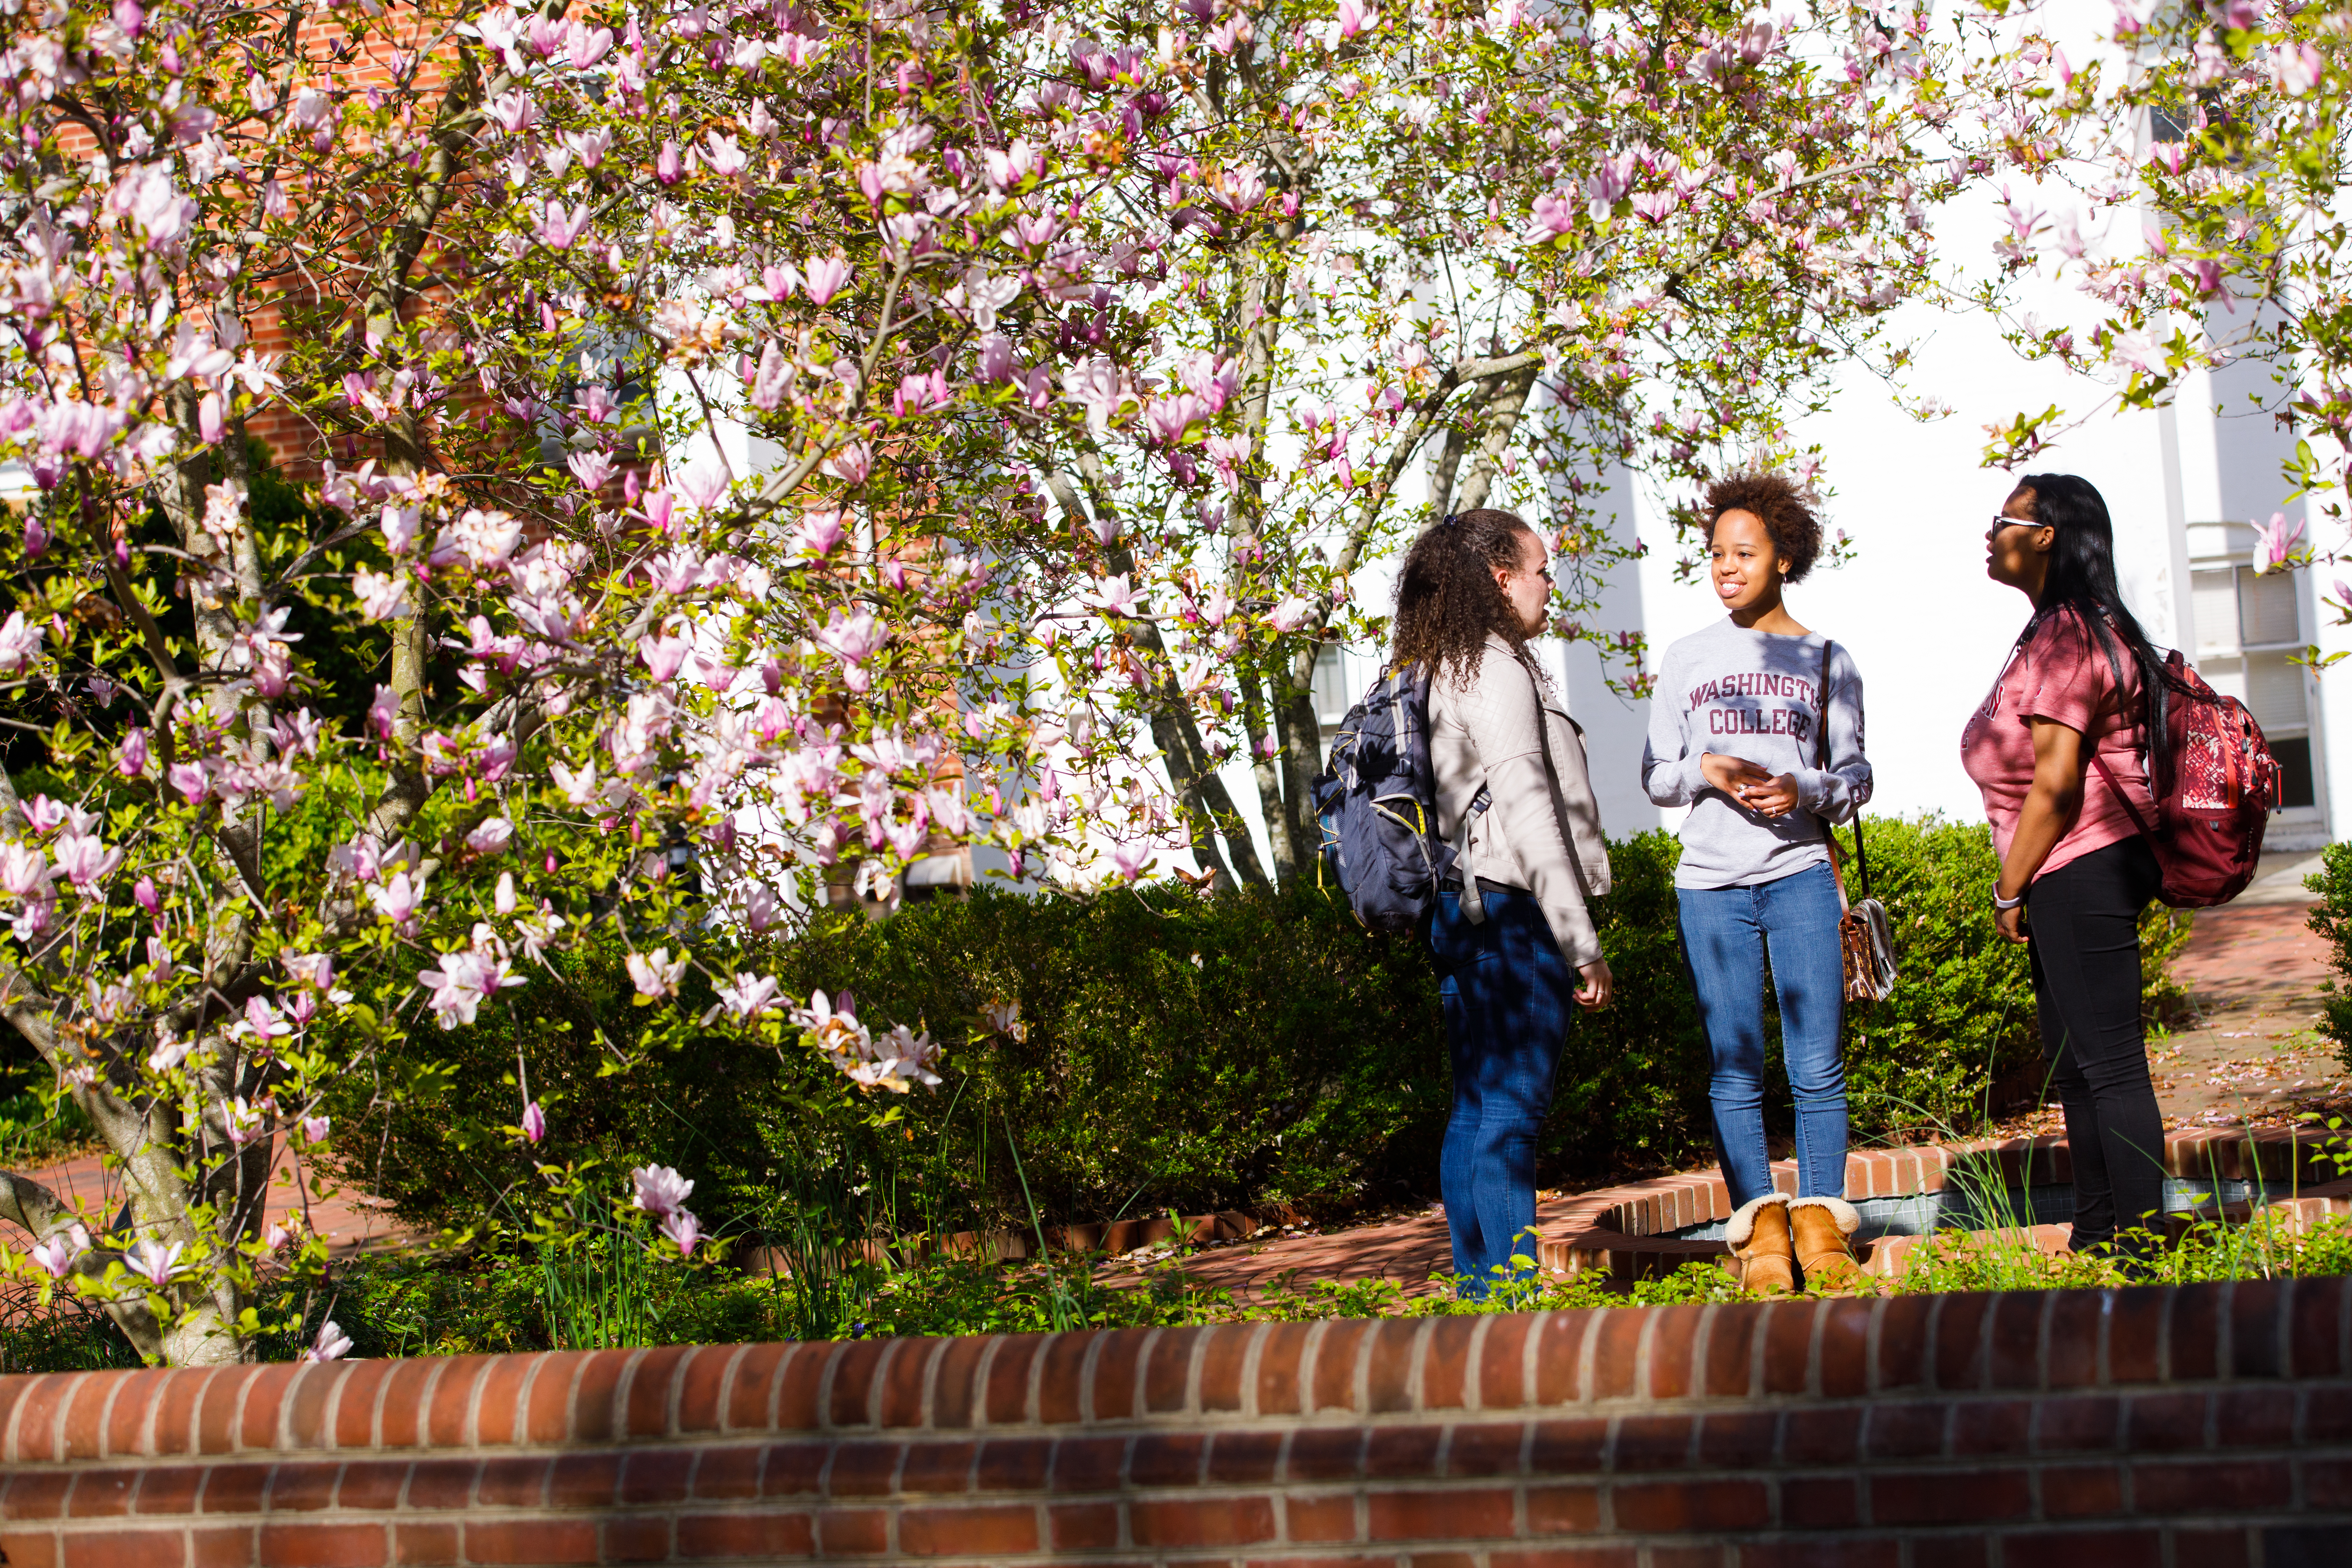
x=1626, y=1231
x=1362, y=1369
x=2156, y=1424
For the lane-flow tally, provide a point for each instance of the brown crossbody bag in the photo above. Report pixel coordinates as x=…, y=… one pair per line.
x=1863, y=934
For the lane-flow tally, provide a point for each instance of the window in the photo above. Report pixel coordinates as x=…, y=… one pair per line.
x=2234, y=608
x=1332, y=695
x=2266, y=608
x=2248, y=627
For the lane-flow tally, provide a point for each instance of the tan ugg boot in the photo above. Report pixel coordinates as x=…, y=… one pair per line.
x=1758, y=1237
x=1824, y=1253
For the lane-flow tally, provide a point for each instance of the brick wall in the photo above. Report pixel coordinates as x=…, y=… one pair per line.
x=2203, y=1425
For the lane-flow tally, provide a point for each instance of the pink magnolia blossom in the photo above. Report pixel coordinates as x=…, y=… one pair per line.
x=2275, y=542
x=683, y=1229
x=591, y=469
x=399, y=898
x=824, y=277
x=57, y=1255
x=663, y=655
x=466, y=979
x=850, y=463
x=242, y=1121
x=853, y=639
x=332, y=1343
x=24, y=871
x=1554, y=217
x=20, y=642
x=778, y=281
x=262, y=1021
x=316, y=1128
x=84, y=859
x=660, y=1190
x=534, y=1122
x=816, y=534
x=2297, y=69
x=724, y=156
x=1290, y=615
x=654, y=974
x=153, y=1261
x=1356, y=18
x=383, y=597
x=750, y=995
x=130, y=756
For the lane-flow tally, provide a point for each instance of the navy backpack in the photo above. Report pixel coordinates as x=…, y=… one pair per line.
x=1377, y=801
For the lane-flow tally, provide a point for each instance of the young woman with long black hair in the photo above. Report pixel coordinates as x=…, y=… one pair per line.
x=1512, y=939
x=2056, y=750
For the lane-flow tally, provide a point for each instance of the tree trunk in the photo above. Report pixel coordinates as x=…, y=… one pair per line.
x=1501, y=417
x=1265, y=768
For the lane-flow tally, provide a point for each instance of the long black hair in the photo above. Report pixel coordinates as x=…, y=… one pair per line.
x=1447, y=599
x=2082, y=579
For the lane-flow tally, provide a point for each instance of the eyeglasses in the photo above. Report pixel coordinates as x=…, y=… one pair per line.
x=2001, y=520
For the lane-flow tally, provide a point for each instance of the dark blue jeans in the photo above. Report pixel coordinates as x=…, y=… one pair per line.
x=1508, y=998
x=1726, y=931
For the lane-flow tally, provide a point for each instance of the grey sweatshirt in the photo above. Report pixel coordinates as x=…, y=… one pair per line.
x=1753, y=695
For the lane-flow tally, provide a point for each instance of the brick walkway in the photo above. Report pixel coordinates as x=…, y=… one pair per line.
x=351, y=1221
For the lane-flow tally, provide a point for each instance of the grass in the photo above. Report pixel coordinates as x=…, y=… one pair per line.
x=38, y=1130
x=413, y=1306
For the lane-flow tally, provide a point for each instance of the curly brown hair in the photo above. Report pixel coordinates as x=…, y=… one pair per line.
x=1786, y=512
x=1447, y=599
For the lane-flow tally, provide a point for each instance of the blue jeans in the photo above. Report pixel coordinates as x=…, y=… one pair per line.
x=1725, y=934
x=1508, y=998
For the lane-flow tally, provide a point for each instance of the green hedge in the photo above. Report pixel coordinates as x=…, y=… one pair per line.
x=2332, y=918
x=1180, y=1052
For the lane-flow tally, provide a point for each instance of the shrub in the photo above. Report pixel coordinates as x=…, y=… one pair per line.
x=2332, y=918
x=1175, y=1052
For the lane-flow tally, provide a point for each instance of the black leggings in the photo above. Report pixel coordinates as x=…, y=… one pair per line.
x=2084, y=918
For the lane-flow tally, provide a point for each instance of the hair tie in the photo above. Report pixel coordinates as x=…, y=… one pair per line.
x=1451, y=519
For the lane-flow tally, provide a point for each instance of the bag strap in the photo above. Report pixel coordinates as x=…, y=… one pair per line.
x=1821, y=736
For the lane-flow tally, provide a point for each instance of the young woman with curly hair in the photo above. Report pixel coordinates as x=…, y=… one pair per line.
x=1735, y=732
x=1513, y=939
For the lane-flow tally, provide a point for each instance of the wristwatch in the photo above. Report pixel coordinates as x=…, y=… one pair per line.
x=2000, y=903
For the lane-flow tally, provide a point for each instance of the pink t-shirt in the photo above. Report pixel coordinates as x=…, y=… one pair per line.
x=2062, y=673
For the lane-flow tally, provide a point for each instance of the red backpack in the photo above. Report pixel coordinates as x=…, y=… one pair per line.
x=2223, y=784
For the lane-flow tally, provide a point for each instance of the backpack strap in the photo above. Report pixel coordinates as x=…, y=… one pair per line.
x=2149, y=718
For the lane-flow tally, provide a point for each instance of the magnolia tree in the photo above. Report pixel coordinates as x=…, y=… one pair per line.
x=2184, y=175
x=1074, y=359
x=1524, y=245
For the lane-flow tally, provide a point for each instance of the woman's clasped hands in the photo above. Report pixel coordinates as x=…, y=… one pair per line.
x=1769, y=794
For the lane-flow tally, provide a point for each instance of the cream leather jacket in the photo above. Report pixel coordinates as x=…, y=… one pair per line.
x=1531, y=836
